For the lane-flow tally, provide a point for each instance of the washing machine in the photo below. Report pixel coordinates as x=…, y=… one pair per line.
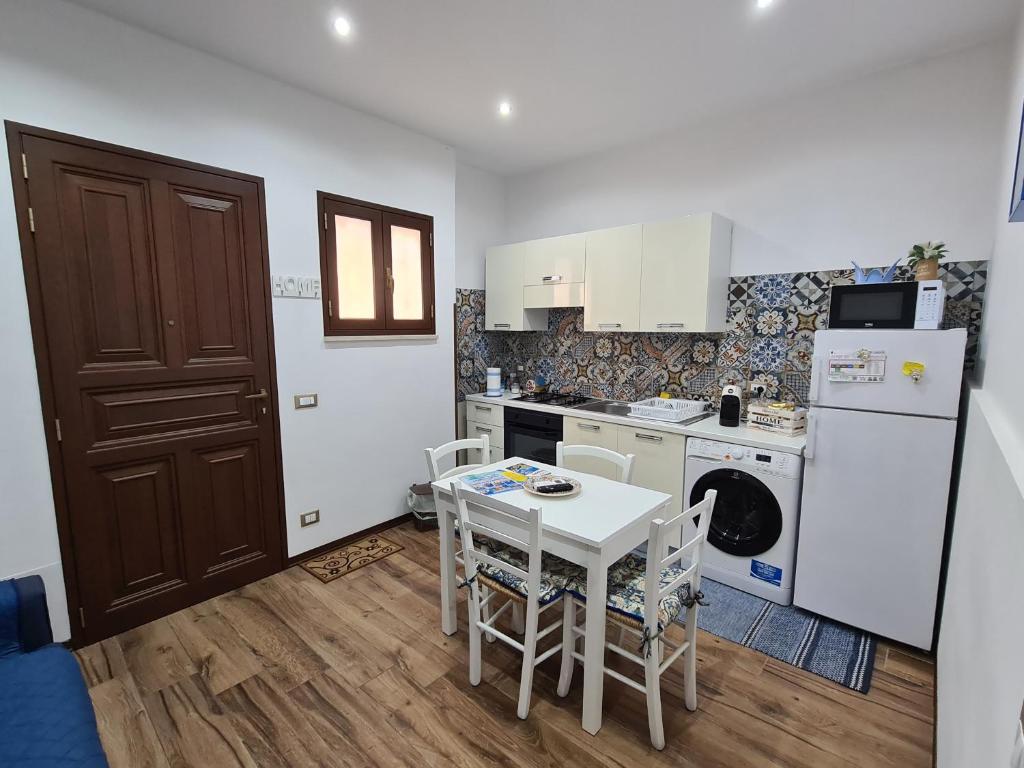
x=751, y=541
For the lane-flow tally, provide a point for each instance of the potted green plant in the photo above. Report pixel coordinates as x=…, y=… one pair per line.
x=924, y=258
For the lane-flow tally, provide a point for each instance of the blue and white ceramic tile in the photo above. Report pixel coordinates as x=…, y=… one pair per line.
x=692, y=365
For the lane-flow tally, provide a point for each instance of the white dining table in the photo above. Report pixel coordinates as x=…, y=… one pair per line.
x=594, y=528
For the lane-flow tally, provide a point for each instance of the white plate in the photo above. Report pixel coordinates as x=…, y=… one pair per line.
x=531, y=481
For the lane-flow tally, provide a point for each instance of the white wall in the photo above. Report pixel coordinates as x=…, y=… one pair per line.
x=69, y=69
x=859, y=171
x=980, y=660
x=479, y=221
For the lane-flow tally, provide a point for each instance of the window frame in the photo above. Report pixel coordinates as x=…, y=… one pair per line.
x=382, y=218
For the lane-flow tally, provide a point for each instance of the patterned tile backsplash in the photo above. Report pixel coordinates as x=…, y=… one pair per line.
x=769, y=339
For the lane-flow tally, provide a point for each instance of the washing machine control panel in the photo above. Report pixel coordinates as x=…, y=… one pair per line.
x=751, y=459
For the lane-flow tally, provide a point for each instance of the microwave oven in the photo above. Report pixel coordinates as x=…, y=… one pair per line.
x=888, y=305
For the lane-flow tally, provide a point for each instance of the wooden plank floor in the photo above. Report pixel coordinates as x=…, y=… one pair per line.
x=292, y=672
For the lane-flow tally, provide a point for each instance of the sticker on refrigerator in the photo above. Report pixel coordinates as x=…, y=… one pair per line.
x=766, y=572
x=861, y=367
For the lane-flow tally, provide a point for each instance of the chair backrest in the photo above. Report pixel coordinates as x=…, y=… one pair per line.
x=691, y=551
x=624, y=462
x=436, y=455
x=481, y=515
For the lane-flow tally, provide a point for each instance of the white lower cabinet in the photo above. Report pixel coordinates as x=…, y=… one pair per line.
x=659, y=461
x=660, y=457
x=584, y=432
x=495, y=434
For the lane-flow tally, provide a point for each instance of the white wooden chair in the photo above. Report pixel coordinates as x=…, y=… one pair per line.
x=647, y=613
x=624, y=462
x=522, y=574
x=436, y=455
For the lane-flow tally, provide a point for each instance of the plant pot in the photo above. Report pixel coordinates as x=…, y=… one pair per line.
x=928, y=269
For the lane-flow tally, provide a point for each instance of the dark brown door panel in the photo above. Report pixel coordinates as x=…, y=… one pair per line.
x=149, y=294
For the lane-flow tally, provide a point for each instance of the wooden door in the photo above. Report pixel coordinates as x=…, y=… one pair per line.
x=612, y=294
x=149, y=295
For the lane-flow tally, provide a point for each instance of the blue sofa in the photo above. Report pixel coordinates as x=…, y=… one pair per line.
x=46, y=717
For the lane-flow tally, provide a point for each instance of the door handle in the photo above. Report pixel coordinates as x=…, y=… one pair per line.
x=261, y=395
x=590, y=427
x=552, y=278
x=671, y=325
x=486, y=408
x=609, y=325
x=488, y=430
x=648, y=438
x=502, y=325
x=812, y=435
x=812, y=396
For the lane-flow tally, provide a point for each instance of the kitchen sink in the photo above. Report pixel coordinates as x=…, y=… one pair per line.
x=611, y=407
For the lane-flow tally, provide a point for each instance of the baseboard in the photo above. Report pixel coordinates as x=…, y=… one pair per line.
x=324, y=548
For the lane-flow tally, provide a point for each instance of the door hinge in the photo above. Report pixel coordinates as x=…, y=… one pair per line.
x=431, y=311
x=325, y=219
x=81, y=617
x=31, y=220
x=330, y=309
x=431, y=237
x=60, y=437
x=24, y=165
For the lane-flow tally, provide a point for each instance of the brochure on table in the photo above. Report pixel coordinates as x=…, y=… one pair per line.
x=501, y=480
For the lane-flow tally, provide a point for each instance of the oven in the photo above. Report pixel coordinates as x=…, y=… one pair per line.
x=532, y=434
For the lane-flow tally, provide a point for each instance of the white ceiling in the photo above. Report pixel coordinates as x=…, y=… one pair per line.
x=583, y=75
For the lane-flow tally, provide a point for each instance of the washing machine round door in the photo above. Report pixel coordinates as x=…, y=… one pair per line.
x=747, y=520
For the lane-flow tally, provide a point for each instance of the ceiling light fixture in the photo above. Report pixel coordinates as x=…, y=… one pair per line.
x=342, y=26
x=505, y=108
x=762, y=4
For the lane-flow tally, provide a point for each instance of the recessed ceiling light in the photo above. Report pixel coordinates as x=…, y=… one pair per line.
x=762, y=4
x=505, y=108
x=342, y=26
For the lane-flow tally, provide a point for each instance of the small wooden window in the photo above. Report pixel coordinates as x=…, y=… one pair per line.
x=376, y=267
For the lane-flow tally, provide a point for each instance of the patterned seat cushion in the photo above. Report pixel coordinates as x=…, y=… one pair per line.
x=556, y=574
x=627, y=590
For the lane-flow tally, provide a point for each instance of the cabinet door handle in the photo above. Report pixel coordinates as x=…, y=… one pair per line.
x=648, y=438
x=609, y=325
x=590, y=427
x=671, y=325
x=502, y=325
x=486, y=408
x=488, y=430
x=552, y=278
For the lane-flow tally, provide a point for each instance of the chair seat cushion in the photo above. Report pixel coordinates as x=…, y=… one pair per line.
x=46, y=716
x=627, y=591
x=556, y=574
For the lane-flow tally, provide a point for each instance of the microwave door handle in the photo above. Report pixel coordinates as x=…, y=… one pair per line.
x=812, y=435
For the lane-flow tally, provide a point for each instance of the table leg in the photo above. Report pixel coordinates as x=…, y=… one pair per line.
x=446, y=533
x=593, y=667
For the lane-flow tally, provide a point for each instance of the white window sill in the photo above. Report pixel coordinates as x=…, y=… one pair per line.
x=337, y=340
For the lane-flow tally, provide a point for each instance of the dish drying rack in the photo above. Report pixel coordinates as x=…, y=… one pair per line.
x=662, y=409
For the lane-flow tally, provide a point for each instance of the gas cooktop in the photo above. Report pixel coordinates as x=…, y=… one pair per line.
x=555, y=398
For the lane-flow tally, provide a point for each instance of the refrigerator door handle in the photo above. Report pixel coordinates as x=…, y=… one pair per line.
x=812, y=435
x=812, y=396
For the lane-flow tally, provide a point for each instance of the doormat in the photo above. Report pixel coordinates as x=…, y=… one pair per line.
x=815, y=644
x=351, y=557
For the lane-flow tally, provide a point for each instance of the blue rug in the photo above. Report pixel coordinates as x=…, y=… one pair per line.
x=834, y=651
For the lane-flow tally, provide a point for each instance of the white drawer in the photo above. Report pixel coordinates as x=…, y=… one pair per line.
x=495, y=434
x=485, y=413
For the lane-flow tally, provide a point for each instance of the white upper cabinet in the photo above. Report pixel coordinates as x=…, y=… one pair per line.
x=612, y=294
x=504, y=310
x=555, y=260
x=684, y=281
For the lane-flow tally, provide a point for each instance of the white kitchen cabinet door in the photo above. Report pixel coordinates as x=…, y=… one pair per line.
x=583, y=432
x=504, y=282
x=612, y=294
x=660, y=457
x=684, y=281
x=495, y=435
x=555, y=260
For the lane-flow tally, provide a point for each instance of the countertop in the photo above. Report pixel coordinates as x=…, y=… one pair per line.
x=708, y=428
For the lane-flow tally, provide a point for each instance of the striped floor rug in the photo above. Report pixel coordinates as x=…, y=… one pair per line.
x=826, y=648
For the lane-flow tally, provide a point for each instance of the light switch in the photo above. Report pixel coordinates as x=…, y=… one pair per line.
x=309, y=518
x=306, y=401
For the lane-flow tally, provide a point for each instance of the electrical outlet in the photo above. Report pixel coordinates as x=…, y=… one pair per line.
x=309, y=518
x=307, y=401
x=757, y=389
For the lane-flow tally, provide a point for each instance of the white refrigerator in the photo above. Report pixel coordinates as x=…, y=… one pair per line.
x=880, y=435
